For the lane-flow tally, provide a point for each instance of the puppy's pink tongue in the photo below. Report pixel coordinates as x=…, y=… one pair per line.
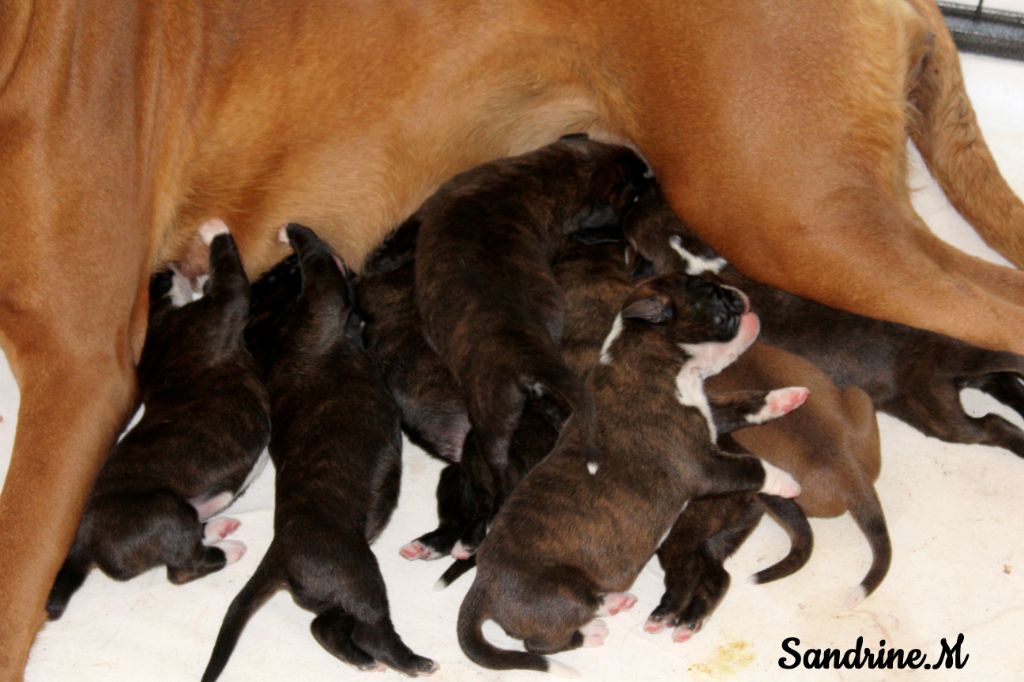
x=750, y=327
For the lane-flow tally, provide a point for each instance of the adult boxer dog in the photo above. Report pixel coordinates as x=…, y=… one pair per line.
x=125, y=125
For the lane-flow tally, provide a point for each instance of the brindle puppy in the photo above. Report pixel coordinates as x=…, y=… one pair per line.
x=487, y=298
x=195, y=449
x=566, y=541
x=337, y=448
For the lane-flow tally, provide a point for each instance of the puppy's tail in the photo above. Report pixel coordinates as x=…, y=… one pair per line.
x=945, y=130
x=260, y=587
x=454, y=572
x=472, y=615
x=567, y=389
x=791, y=517
x=70, y=577
x=866, y=510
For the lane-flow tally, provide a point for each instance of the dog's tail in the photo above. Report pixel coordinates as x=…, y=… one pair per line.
x=791, y=517
x=567, y=389
x=945, y=130
x=866, y=510
x=70, y=577
x=472, y=615
x=454, y=572
x=260, y=587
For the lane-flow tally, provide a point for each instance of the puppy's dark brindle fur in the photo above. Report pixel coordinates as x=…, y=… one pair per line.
x=489, y=304
x=432, y=406
x=914, y=375
x=336, y=445
x=566, y=539
x=206, y=421
x=591, y=271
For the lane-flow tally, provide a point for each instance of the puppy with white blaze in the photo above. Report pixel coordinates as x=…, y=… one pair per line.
x=567, y=543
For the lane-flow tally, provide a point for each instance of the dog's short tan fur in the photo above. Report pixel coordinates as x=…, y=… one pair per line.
x=125, y=124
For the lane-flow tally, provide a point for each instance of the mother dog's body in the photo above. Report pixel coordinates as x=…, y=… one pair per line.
x=123, y=125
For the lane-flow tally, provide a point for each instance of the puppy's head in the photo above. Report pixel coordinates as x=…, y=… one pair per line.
x=612, y=176
x=711, y=322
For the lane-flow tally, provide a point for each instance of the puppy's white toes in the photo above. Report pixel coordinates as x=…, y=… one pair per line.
x=616, y=602
x=461, y=552
x=233, y=550
x=211, y=228
x=417, y=550
x=594, y=633
x=282, y=235
x=682, y=633
x=778, y=482
x=218, y=529
x=784, y=400
x=206, y=507
x=654, y=626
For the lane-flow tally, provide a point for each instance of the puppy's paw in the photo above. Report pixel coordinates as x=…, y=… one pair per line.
x=594, y=633
x=779, y=402
x=417, y=550
x=616, y=602
x=206, y=507
x=778, y=482
x=212, y=228
x=233, y=550
x=218, y=529
x=462, y=552
x=282, y=235
x=683, y=633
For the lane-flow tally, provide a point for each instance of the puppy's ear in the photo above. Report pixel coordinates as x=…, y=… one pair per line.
x=656, y=309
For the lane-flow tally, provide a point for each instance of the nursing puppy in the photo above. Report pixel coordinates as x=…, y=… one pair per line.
x=336, y=445
x=488, y=301
x=432, y=405
x=195, y=449
x=914, y=375
x=594, y=533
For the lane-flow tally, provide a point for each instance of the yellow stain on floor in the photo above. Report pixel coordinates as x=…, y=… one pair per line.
x=727, y=660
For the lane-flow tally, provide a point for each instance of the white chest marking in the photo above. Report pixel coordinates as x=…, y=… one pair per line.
x=606, y=356
x=690, y=392
x=695, y=265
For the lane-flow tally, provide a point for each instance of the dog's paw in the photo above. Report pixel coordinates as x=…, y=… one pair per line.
x=212, y=228
x=218, y=529
x=778, y=482
x=594, y=633
x=616, y=602
x=417, y=550
x=233, y=550
x=779, y=402
x=683, y=633
x=208, y=506
x=462, y=552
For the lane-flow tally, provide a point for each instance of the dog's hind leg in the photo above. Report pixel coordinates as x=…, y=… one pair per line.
x=332, y=629
x=945, y=130
x=362, y=594
x=456, y=507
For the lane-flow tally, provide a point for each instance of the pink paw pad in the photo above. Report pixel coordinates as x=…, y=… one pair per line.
x=212, y=228
x=785, y=400
x=218, y=529
x=594, y=633
x=615, y=602
x=233, y=549
x=682, y=633
x=654, y=626
x=416, y=550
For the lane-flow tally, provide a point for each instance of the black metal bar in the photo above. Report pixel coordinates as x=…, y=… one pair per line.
x=985, y=31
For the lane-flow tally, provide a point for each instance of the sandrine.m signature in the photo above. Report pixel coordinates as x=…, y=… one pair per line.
x=882, y=658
